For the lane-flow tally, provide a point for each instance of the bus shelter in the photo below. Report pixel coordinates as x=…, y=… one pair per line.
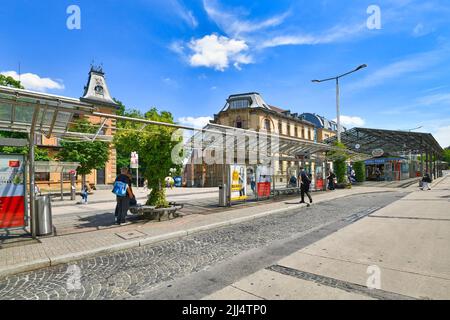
x=39, y=113
x=61, y=168
x=418, y=146
x=250, y=169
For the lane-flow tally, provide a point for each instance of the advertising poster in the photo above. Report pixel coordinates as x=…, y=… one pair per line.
x=263, y=178
x=12, y=191
x=238, y=178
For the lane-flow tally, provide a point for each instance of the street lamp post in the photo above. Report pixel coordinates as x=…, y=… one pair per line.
x=338, y=116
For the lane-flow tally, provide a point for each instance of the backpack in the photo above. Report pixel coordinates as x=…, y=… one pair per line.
x=120, y=189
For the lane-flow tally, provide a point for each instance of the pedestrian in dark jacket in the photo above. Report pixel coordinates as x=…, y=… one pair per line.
x=426, y=181
x=330, y=179
x=123, y=203
x=305, y=182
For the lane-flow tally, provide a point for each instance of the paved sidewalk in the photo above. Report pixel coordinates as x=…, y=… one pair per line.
x=63, y=249
x=105, y=196
x=403, y=247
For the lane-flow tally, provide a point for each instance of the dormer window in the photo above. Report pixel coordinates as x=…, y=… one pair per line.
x=239, y=104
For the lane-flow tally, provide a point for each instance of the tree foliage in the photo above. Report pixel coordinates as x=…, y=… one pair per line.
x=10, y=82
x=339, y=156
x=360, y=171
x=154, y=144
x=90, y=155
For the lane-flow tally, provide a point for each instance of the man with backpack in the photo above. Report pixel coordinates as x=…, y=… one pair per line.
x=305, y=182
x=123, y=191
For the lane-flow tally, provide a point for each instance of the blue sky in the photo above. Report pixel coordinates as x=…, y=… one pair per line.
x=188, y=56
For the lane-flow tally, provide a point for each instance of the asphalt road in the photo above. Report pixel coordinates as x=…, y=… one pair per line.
x=194, y=266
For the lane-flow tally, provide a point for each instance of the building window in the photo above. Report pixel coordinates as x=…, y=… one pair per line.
x=42, y=176
x=238, y=122
x=280, y=127
x=267, y=124
x=288, y=129
x=309, y=134
x=296, y=132
x=303, y=133
x=239, y=104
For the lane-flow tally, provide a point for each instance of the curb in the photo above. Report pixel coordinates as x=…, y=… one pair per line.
x=73, y=257
x=24, y=267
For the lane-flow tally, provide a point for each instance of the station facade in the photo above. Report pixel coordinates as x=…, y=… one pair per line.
x=250, y=111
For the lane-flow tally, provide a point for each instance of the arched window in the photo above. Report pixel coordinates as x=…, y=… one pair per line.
x=267, y=125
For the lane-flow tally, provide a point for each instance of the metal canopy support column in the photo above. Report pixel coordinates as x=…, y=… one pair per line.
x=62, y=185
x=31, y=173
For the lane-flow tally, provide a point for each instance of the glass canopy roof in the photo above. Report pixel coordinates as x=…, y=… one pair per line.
x=22, y=110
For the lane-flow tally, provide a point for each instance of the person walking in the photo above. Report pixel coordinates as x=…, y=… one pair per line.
x=330, y=179
x=305, y=182
x=124, y=192
x=426, y=181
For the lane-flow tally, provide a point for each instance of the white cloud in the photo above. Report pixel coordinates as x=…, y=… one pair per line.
x=442, y=135
x=218, y=52
x=442, y=98
x=408, y=65
x=198, y=122
x=32, y=81
x=350, y=121
x=335, y=34
x=232, y=24
x=185, y=14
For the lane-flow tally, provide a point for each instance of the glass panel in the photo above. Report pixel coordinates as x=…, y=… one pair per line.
x=63, y=118
x=5, y=112
x=24, y=114
x=48, y=118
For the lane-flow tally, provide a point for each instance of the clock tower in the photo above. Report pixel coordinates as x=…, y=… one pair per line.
x=96, y=91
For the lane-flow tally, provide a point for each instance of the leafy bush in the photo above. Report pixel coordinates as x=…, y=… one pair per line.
x=360, y=171
x=340, y=169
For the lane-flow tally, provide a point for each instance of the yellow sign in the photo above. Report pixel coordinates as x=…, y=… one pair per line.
x=238, y=186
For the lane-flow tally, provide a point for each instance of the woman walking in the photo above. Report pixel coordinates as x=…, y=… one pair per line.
x=330, y=179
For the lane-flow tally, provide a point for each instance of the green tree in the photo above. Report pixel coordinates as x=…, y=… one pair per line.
x=154, y=144
x=360, y=171
x=90, y=155
x=10, y=82
x=446, y=156
x=339, y=156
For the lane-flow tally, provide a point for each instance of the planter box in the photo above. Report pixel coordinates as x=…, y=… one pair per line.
x=153, y=213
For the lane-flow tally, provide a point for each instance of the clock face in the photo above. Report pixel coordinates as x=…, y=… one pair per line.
x=98, y=89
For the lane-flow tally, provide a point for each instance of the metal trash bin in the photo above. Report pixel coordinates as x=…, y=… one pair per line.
x=223, y=195
x=43, y=206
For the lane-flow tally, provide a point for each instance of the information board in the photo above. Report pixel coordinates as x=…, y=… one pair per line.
x=12, y=191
